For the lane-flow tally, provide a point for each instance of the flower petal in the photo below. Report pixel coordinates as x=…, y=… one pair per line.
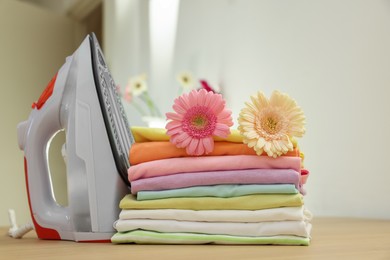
x=251, y=143
x=226, y=113
x=267, y=148
x=208, y=99
x=260, y=142
x=225, y=117
x=201, y=97
x=251, y=134
x=259, y=151
x=178, y=108
x=199, y=149
x=174, y=116
x=184, y=143
x=263, y=101
x=193, y=98
x=174, y=130
x=221, y=130
x=173, y=124
x=276, y=145
x=218, y=105
x=183, y=101
x=208, y=144
x=191, y=148
x=177, y=139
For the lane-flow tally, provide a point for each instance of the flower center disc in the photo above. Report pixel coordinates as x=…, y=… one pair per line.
x=271, y=124
x=199, y=122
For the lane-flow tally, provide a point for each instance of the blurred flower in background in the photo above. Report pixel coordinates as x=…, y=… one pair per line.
x=136, y=93
x=205, y=85
x=188, y=82
x=137, y=85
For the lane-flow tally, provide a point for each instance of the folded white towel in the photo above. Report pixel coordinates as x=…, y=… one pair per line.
x=274, y=214
x=274, y=228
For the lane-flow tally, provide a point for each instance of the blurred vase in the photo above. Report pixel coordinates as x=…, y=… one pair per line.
x=154, y=122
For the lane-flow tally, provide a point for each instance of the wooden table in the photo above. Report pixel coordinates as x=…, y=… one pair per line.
x=332, y=238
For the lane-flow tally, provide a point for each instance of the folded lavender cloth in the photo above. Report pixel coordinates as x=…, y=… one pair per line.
x=183, y=180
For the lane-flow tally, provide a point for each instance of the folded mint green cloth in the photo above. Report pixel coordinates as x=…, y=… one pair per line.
x=222, y=191
x=150, y=237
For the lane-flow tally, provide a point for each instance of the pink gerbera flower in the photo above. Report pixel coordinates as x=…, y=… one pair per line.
x=199, y=115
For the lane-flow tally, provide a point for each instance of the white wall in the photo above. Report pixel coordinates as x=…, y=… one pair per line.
x=126, y=43
x=332, y=56
x=33, y=46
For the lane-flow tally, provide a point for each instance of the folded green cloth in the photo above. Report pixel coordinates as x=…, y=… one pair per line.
x=222, y=191
x=249, y=202
x=150, y=237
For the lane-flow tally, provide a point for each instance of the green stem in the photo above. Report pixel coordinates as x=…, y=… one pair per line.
x=138, y=107
x=153, y=109
x=180, y=91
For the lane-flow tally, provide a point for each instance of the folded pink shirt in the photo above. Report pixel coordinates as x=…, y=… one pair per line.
x=251, y=176
x=211, y=163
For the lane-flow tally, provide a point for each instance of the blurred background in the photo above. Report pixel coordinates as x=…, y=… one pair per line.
x=332, y=57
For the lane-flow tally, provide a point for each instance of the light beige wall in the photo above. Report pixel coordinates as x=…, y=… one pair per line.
x=33, y=46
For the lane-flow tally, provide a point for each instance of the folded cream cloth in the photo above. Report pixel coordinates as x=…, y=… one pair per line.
x=150, y=237
x=254, y=229
x=263, y=215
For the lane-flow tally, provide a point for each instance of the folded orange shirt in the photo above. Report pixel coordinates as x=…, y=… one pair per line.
x=150, y=151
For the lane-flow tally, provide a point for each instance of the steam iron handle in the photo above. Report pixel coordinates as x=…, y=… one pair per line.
x=44, y=123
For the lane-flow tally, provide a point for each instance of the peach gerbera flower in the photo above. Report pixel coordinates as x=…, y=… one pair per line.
x=269, y=125
x=199, y=115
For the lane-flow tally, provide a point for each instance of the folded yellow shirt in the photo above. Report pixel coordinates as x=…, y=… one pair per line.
x=250, y=202
x=147, y=134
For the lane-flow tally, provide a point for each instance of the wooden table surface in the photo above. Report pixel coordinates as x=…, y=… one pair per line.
x=332, y=238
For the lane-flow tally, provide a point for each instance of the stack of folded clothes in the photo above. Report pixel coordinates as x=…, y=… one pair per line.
x=201, y=182
x=230, y=196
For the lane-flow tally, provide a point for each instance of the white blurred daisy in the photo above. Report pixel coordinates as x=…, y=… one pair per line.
x=186, y=80
x=137, y=85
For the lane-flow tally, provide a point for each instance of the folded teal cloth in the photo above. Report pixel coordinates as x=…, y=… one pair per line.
x=222, y=191
x=150, y=237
